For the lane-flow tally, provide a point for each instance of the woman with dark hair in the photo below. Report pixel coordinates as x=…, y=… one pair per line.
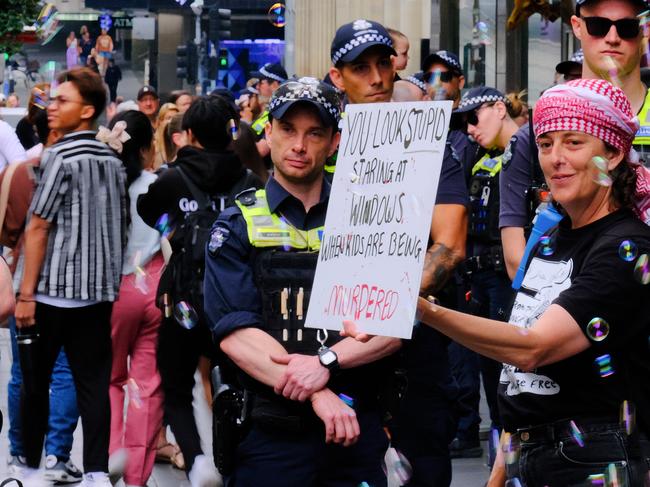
x=27, y=129
x=574, y=394
x=135, y=319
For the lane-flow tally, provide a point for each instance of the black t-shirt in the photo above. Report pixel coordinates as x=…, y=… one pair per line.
x=585, y=275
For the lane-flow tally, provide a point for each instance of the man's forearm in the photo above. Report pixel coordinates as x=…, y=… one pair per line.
x=251, y=349
x=34, y=250
x=439, y=264
x=352, y=353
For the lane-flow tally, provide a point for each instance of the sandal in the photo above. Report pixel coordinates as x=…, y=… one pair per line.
x=170, y=453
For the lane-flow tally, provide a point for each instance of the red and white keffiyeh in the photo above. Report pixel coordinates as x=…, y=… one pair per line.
x=595, y=107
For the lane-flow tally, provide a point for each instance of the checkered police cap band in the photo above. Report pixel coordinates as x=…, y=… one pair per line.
x=420, y=84
x=307, y=89
x=449, y=60
x=268, y=74
x=360, y=41
x=479, y=100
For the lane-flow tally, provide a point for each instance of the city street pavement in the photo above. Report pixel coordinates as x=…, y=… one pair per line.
x=466, y=472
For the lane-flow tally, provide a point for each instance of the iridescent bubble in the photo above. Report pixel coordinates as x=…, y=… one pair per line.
x=546, y=245
x=597, y=329
x=642, y=269
x=134, y=393
x=604, y=364
x=627, y=417
x=612, y=71
x=163, y=226
x=513, y=482
x=396, y=466
x=277, y=15
x=596, y=479
x=510, y=448
x=627, y=250
x=601, y=176
x=576, y=434
x=185, y=315
x=140, y=281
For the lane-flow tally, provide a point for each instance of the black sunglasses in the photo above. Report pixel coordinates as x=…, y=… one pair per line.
x=600, y=26
x=472, y=117
x=445, y=76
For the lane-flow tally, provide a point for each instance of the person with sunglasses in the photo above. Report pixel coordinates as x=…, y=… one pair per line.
x=488, y=115
x=443, y=69
x=605, y=29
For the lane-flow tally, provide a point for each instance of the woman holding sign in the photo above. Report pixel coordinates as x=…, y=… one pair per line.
x=574, y=396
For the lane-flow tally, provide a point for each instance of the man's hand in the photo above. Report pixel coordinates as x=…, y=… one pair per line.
x=341, y=425
x=303, y=376
x=25, y=311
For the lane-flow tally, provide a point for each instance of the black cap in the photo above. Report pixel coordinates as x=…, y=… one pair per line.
x=447, y=58
x=475, y=97
x=147, y=90
x=418, y=79
x=352, y=39
x=310, y=90
x=575, y=61
x=272, y=72
x=642, y=4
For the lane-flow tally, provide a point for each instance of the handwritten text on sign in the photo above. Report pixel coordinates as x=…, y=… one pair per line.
x=379, y=216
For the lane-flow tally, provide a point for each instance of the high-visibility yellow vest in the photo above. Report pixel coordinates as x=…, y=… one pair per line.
x=491, y=165
x=260, y=123
x=266, y=229
x=643, y=134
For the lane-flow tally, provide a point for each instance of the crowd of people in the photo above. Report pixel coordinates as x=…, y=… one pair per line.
x=175, y=249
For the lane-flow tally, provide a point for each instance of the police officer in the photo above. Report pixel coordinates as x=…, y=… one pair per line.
x=489, y=118
x=314, y=414
x=424, y=423
x=521, y=182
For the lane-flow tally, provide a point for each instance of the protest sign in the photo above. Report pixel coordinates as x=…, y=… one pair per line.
x=379, y=217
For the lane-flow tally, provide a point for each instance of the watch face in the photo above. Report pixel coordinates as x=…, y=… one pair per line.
x=328, y=357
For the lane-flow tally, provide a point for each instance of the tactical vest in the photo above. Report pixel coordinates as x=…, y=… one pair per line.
x=642, y=139
x=484, y=200
x=284, y=264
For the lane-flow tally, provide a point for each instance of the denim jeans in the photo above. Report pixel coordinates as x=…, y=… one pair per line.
x=63, y=406
x=601, y=452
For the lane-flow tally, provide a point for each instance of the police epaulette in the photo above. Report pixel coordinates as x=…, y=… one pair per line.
x=247, y=197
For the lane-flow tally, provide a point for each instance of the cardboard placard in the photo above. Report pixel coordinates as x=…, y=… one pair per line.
x=379, y=217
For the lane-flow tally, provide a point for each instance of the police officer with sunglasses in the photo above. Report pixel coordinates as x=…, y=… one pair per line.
x=611, y=37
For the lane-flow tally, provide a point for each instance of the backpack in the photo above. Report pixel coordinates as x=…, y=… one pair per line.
x=180, y=290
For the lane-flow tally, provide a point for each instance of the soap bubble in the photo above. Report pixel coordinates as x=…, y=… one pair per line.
x=601, y=176
x=396, y=466
x=604, y=364
x=627, y=417
x=627, y=250
x=185, y=315
x=597, y=329
x=277, y=15
x=134, y=393
x=577, y=434
x=163, y=225
x=642, y=269
x=546, y=246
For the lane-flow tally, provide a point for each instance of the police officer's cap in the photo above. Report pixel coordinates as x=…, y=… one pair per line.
x=307, y=90
x=475, y=97
x=352, y=39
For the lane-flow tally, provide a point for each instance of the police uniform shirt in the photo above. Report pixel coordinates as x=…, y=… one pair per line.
x=231, y=298
x=515, y=180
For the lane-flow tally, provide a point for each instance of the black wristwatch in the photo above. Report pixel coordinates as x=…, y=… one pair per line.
x=329, y=359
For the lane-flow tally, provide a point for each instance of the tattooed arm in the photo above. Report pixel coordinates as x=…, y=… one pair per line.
x=448, y=233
